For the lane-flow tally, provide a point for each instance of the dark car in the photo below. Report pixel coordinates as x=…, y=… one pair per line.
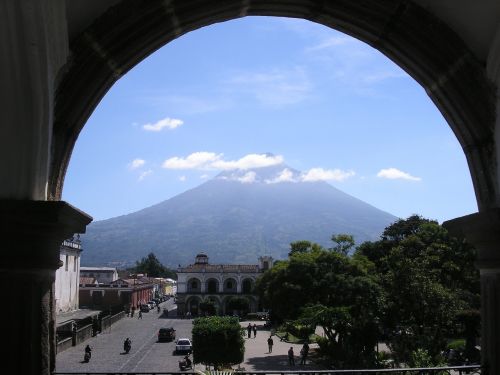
x=166, y=334
x=144, y=308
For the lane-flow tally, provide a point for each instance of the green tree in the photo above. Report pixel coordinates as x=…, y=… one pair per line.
x=218, y=341
x=151, y=266
x=208, y=307
x=429, y=277
x=343, y=243
x=339, y=294
x=239, y=304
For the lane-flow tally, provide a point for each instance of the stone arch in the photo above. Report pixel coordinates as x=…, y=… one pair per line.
x=230, y=285
x=217, y=301
x=247, y=285
x=193, y=285
x=212, y=285
x=413, y=38
x=192, y=305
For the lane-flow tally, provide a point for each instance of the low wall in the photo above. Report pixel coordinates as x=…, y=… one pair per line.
x=82, y=334
x=108, y=321
x=64, y=344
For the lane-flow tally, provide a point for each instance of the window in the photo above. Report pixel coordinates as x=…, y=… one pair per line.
x=66, y=263
x=194, y=285
x=229, y=285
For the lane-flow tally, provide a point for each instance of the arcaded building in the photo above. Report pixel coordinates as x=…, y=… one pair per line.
x=218, y=283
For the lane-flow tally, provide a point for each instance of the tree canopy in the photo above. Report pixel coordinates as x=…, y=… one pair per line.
x=151, y=266
x=218, y=341
x=413, y=287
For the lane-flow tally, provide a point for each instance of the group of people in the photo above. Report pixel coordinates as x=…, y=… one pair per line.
x=251, y=328
x=303, y=355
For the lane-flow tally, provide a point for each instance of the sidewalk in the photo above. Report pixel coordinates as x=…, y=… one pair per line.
x=257, y=357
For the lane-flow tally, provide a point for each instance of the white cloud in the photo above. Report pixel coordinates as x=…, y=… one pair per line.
x=286, y=175
x=136, y=163
x=182, y=178
x=248, y=162
x=145, y=174
x=170, y=123
x=278, y=88
x=396, y=174
x=197, y=160
x=210, y=160
x=334, y=41
x=320, y=174
x=204, y=176
x=248, y=178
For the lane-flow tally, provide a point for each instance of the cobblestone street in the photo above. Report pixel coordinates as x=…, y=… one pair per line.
x=149, y=355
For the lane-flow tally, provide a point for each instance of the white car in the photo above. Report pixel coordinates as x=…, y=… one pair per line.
x=183, y=345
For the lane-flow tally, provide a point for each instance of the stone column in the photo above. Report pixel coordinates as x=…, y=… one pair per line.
x=31, y=234
x=483, y=231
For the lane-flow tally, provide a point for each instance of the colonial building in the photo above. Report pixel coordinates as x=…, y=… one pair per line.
x=124, y=293
x=218, y=283
x=67, y=276
x=103, y=275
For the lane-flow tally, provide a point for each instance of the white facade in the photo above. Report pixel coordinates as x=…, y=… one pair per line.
x=68, y=276
x=103, y=275
x=218, y=283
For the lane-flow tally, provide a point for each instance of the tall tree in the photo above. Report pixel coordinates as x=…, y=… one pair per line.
x=343, y=243
x=151, y=266
x=429, y=278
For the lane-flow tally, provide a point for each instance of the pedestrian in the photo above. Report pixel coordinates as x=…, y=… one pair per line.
x=254, y=330
x=303, y=353
x=140, y=315
x=270, y=343
x=249, y=330
x=291, y=357
x=133, y=311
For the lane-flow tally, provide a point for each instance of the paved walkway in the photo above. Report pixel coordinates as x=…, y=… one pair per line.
x=258, y=358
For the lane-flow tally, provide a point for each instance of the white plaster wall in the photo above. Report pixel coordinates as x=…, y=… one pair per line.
x=33, y=47
x=67, y=282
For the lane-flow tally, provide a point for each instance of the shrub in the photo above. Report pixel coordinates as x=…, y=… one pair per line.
x=218, y=341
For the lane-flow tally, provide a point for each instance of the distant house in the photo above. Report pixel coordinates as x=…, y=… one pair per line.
x=104, y=275
x=67, y=276
x=201, y=281
x=123, y=293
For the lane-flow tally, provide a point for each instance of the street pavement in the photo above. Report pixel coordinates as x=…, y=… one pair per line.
x=148, y=355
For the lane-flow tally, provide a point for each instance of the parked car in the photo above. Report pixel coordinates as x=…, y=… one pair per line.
x=183, y=345
x=166, y=334
x=151, y=304
x=145, y=308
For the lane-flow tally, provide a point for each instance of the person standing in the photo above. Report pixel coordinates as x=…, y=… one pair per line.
x=270, y=343
x=254, y=330
x=291, y=357
x=249, y=330
x=303, y=353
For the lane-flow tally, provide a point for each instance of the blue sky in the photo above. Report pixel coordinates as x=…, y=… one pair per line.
x=318, y=100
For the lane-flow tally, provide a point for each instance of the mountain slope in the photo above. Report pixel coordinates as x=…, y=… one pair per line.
x=234, y=221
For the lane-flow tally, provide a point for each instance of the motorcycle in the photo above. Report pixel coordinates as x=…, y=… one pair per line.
x=87, y=355
x=185, y=364
x=127, y=345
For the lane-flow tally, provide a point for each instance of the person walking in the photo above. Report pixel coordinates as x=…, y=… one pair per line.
x=140, y=315
x=249, y=330
x=303, y=353
x=291, y=357
x=270, y=343
x=254, y=330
